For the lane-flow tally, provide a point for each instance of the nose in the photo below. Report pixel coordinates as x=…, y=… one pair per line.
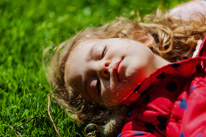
x=104, y=69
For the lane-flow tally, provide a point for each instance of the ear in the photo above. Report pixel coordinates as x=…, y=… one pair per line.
x=144, y=37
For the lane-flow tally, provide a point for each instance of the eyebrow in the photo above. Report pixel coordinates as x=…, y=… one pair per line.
x=90, y=53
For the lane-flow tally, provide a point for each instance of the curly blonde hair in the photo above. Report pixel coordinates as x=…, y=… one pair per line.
x=174, y=40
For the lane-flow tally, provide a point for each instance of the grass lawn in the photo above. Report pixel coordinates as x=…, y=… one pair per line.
x=27, y=27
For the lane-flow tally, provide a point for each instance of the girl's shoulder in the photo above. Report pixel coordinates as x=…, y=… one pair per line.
x=192, y=10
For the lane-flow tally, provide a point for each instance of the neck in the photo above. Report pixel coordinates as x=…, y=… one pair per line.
x=155, y=63
x=160, y=62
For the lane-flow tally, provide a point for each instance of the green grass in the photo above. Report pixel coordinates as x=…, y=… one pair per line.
x=26, y=29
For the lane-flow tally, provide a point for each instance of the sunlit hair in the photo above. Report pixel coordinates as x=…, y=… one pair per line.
x=174, y=40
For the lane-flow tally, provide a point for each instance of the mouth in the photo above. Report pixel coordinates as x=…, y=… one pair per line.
x=115, y=71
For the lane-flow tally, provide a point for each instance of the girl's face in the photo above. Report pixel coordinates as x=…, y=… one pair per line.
x=106, y=70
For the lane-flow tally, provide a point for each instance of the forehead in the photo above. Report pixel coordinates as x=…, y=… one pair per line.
x=76, y=65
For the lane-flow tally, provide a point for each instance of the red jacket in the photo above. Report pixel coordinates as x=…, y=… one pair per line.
x=170, y=102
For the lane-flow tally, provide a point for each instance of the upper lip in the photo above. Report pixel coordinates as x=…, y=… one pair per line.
x=115, y=70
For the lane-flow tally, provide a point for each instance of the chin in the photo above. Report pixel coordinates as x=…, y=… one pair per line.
x=134, y=78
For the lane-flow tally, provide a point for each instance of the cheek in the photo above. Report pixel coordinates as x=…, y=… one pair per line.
x=136, y=69
x=110, y=98
x=136, y=77
x=114, y=98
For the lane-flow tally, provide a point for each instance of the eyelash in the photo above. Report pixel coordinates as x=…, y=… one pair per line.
x=98, y=82
x=98, y=87
x=104, y=51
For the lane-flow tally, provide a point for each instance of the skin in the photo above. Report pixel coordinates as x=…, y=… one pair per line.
x=106, y=70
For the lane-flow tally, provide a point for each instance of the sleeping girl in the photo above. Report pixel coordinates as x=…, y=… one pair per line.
x=130, y=78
